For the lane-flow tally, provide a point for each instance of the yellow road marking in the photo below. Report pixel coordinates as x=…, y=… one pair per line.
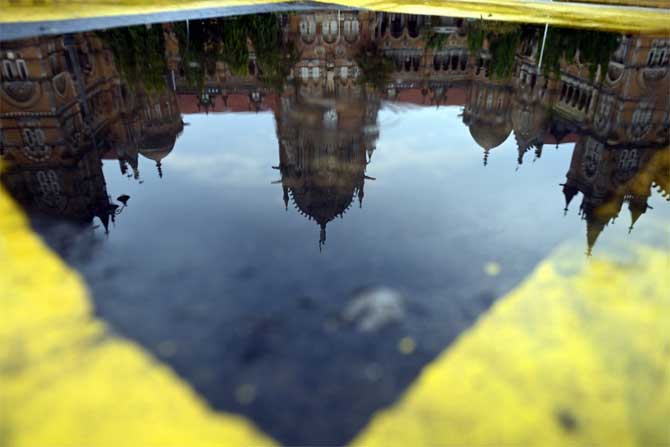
x=579, y=354
x=66, y=381
x=610, y=17
x=604, y=17
x=12, y=11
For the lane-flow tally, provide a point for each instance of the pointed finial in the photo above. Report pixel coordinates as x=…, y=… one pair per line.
x=159, y=166
x=322, y=236
x=569, y=192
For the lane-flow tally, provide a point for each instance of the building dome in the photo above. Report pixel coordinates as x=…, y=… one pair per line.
x=157, y=147
x=489, y=136
x=322, y=204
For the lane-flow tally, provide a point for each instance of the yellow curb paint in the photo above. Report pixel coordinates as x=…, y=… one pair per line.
x=579, y=354
x=644, y=3
x=65, y=380
x=603, y=16
x=12, y=11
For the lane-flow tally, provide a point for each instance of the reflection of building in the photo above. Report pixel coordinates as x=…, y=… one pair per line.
x=65, y=105
x=326, y=120
x=64, y=108
x=608, y=179
x=325, y=144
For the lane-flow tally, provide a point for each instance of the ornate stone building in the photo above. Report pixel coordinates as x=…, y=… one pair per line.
x=63, y=108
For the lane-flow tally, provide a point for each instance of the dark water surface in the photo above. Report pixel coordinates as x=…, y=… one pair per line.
x=298, y=212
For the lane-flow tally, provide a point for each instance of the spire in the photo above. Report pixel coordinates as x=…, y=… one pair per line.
x=123, y=166
x=361, y=194
x=593, y=230
x=636, y=208
x=159, y=166
x=322, y=236
x=103, y=211
x=486, y=157
x=285, y=197
x=522, y=149
x=569, y=192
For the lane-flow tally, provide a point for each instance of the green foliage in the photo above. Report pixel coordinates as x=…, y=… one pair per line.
x=375, y=68
x=595, y=49
x=227, y=40
x=503, y=38
x=139, y=55
x=475, y=39
x=434, y=40
x=200, y=48
x=503, y=52
x=273, y=58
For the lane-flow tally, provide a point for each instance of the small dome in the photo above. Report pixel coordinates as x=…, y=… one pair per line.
x=488, y=135
x=157, y=147
x=158, y=142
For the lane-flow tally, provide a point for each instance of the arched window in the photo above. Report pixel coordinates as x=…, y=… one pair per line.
x=9, y=70
x=651, y=60
x=628, y=159
x=33, y=137
x=22, y=69
x=641, y=120
x=308, y=30
x=592, y=157
x=601, y=119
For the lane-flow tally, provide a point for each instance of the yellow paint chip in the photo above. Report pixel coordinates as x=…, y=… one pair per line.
x=492, y=268
x=406, y=345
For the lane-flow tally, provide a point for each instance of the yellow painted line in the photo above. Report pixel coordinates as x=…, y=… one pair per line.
x=610, y=17
x=645, y=3
x=66, y=381
x=12, y=11
x=579, y=355
x=605, y=17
